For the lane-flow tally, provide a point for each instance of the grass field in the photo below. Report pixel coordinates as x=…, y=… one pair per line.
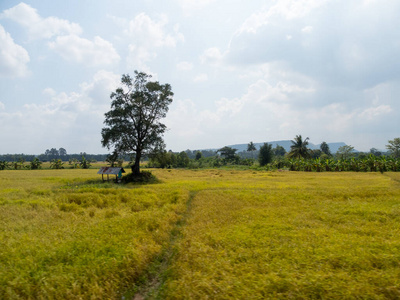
x=219, y=234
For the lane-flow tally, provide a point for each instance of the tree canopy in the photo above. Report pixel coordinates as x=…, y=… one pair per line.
x=251, y=147
x=133, y=124
x=345, y=152
x=324, y=147
x=228, y=153
x=279, y=151
x=394, y=147
x=299, y=149
x=265, y=155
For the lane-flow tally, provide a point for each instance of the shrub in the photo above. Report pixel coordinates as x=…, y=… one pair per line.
x=143, y=177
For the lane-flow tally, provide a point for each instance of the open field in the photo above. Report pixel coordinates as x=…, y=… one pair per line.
x=220, y=234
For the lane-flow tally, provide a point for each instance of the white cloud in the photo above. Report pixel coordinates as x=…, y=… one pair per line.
x=375, y=112
x=49, y=92
x=2, y=106
x=307, y=29
x=13, y=57
x=184, y=66
x=282, y=9
x=147, y=37
x=98, y=52
x=337, y=42
x=190, y=6
x=211, y=56
x=37, y=26
x=277, y=105
x=201, y=78
x=269, y=109
x=100, y=88
x=78, y=115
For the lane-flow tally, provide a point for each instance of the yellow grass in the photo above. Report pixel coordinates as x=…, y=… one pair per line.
x=290, y=236
x=64, y=234
x=220, y=234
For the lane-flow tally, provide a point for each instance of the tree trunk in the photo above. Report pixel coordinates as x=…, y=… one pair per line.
x=136, y=166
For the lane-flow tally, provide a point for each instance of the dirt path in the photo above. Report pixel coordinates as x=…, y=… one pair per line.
x=154, y=278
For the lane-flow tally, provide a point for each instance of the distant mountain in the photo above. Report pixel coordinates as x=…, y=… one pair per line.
x=286, y=144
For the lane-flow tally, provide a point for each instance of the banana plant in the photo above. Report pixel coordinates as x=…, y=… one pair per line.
x=74, y=163
x=84, y=163
x=35, y=164
x=56, y=164
x=382, y=164
x=393, y=164
x=316, y=164
x=3, y=164
x=353, y=165
x=371, y=162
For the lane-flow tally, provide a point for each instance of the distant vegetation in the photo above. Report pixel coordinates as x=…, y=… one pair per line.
x=299, y=158
x=51, y=154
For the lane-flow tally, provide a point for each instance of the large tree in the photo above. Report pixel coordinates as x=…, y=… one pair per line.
x=299, y=148
x=228, y=153
x=133, y=124
x=265, y=155
x=394, y=147
x=345, y=152
x=325, y=148
x=251, y=148
x=279, y=151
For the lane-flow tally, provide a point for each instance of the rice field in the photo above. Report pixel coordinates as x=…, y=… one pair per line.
x=200, y=234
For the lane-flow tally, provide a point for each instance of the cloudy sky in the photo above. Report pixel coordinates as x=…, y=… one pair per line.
x=240, y=70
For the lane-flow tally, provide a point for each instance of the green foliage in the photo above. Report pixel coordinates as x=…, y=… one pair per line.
x=73, y=163
x=229, y=154
x=182, y=159
x=113, y=160
x=394, y=147
x=265, y=155
x=84, y=163
x=143, y=177
x=18, y=165
x=3, y=164
x=133, y=123
x=371, y=163
x=375, y=152
x=345, y=152
x=35, y=164
x=279, y=151
x=198, y=155
x=299, y=149
x=325, y=149
x=316, y=153
x=56, y=164
x=251, y=147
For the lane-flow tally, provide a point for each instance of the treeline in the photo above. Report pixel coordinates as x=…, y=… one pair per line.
x=276, y=159
x=52, y=154
x=299, y=158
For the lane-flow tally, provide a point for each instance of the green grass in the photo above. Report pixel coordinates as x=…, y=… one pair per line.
x=220, y=234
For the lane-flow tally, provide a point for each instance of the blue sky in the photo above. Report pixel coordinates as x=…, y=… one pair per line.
x=241, y=71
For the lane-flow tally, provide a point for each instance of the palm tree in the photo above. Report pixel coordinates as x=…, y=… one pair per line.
x=251, y=148
x=299, y=148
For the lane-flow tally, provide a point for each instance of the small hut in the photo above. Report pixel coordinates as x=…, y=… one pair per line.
x=111, y=171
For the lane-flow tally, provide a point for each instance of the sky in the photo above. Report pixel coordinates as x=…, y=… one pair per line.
x=240, y=70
